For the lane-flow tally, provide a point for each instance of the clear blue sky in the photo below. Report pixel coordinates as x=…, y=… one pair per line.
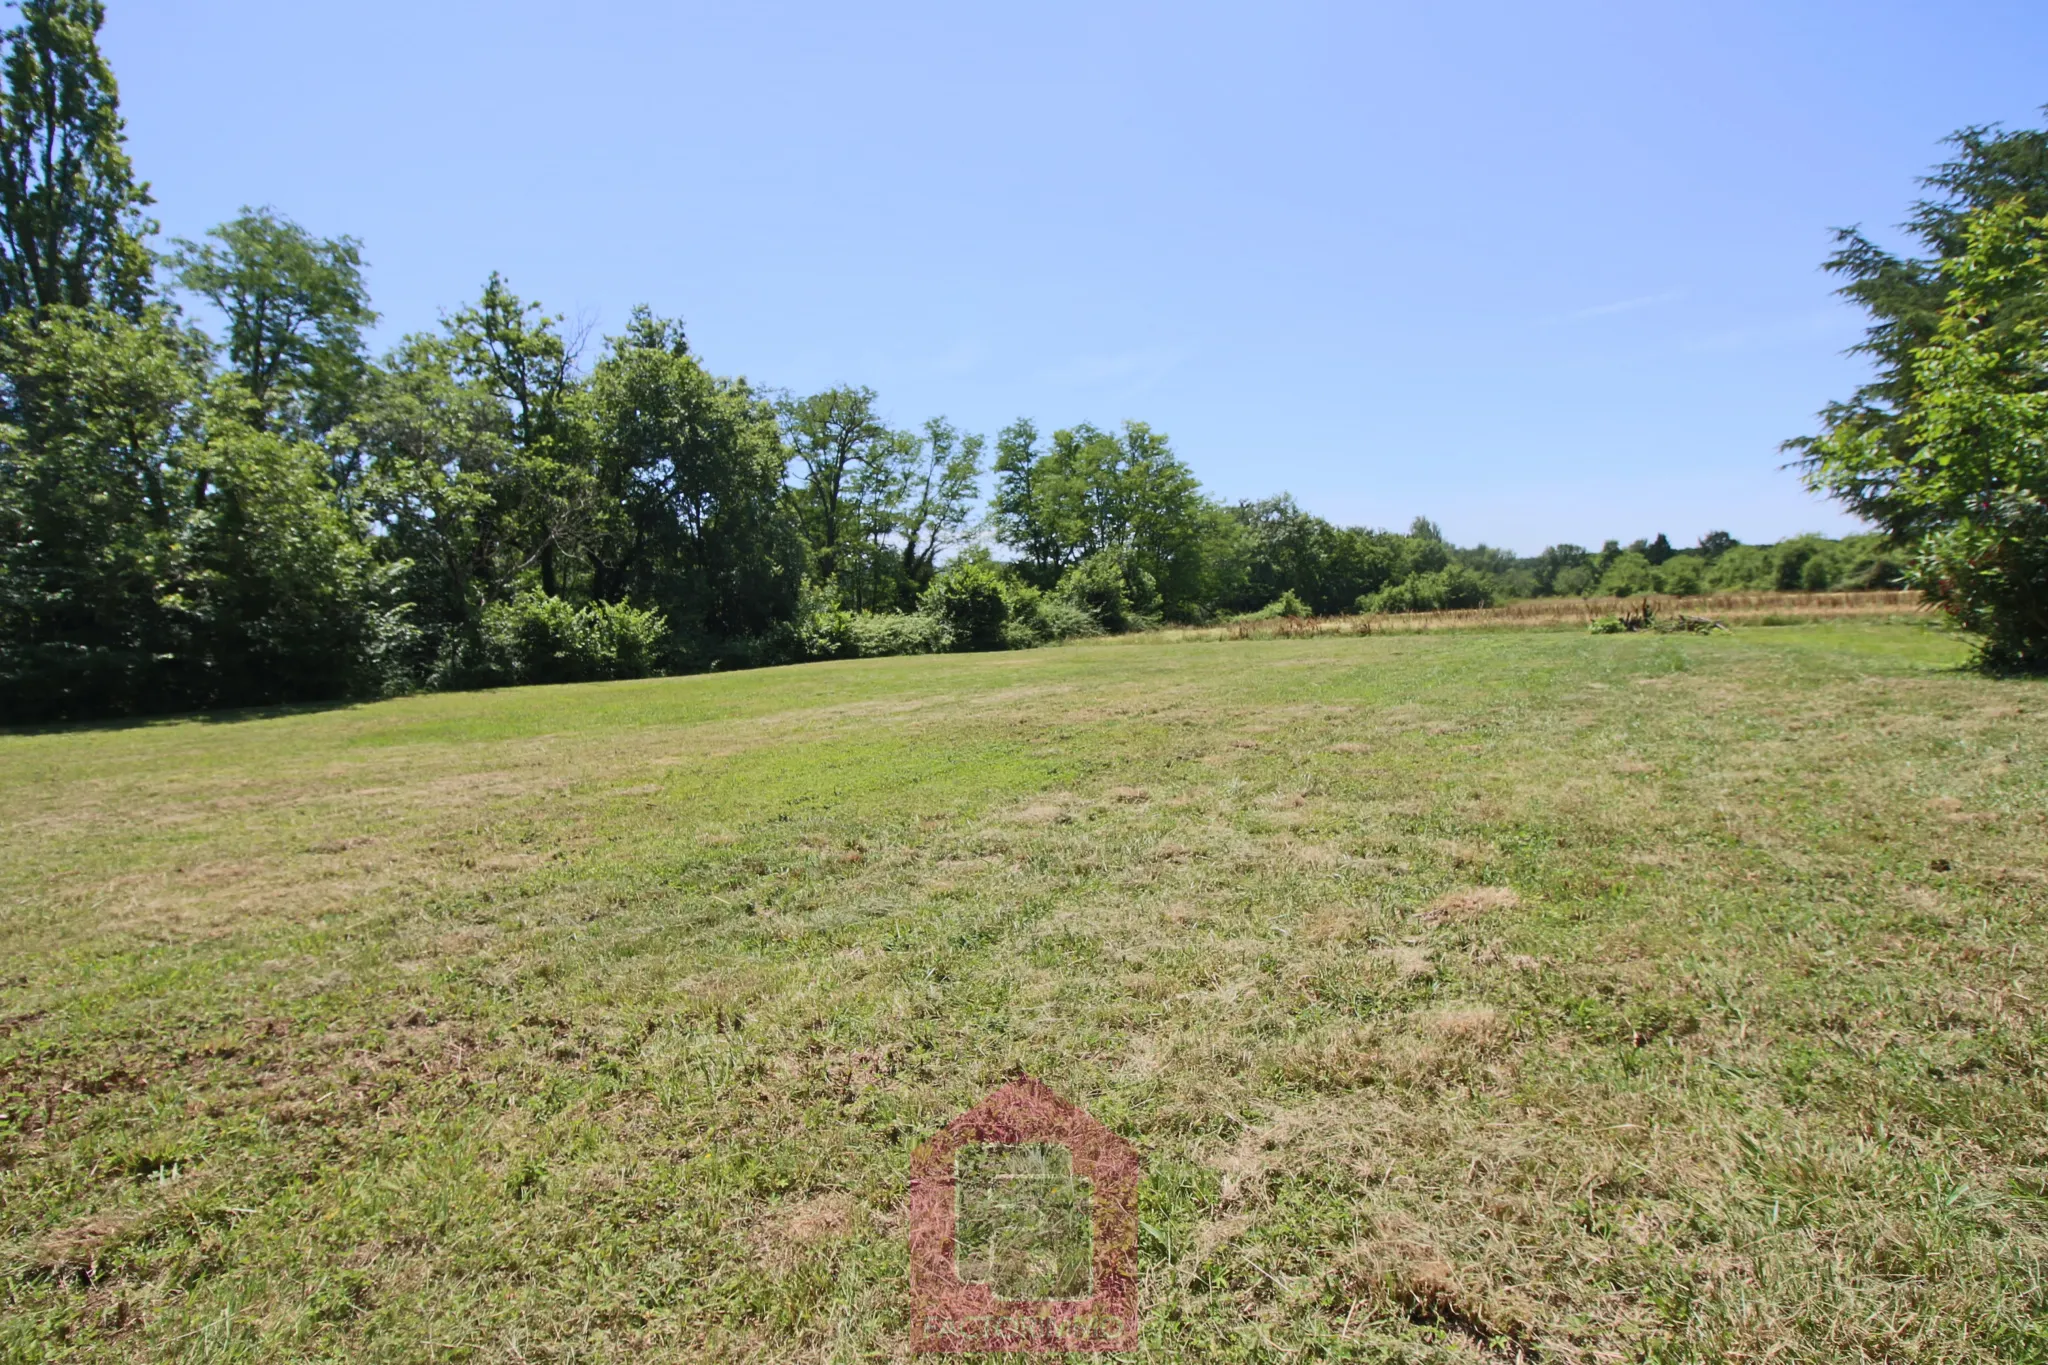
x=1542, y=272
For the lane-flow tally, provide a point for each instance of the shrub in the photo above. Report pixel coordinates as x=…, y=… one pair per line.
x=1795, y=557
x=1630, y=575
x=1453, y=588
x=874, y=635
x=537, y=638
x=1682, y=575
x=1576, y=581
x=822, y=629
x=1114, y=589
x=1990, y=576
x=1062, y=618
x=1286, y=604
x=972, y=601
x=1744, y=568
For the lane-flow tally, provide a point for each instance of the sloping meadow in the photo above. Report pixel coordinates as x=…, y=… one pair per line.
x=1498, y=995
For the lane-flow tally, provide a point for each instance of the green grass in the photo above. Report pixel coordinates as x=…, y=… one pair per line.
x=1469, y=996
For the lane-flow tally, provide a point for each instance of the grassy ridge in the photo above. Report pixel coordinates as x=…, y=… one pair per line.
x=1510, y=993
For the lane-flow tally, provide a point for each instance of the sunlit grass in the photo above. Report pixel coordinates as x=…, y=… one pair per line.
x=1585, y=997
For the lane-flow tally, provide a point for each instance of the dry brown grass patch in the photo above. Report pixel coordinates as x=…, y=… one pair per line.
x=1472, y=904
x=794, y=1231
x=1406, y=963
x=1334, y=924
x=1419, y=1282
x=75, y=1252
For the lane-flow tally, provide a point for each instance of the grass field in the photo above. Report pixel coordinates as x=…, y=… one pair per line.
x=1495, y=995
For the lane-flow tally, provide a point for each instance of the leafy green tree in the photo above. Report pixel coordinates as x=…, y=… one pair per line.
x=155, y=551
x=1106, y=588
x=1682, y=575
x=92, y=506
x=1630, y=574
x=442, y=482
x=277, y=575
x=295, y=307
x=1425, y=550
x=689, y=473
x=517, y=353
x=937, y=478
x=1960, y=464
x=71, y=224
x=1286, y=550
x=1908, y=298
x=842, y=444
x=1555, y=561
x=1088, y=491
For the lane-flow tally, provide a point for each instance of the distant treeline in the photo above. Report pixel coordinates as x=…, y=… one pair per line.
x=269, y=514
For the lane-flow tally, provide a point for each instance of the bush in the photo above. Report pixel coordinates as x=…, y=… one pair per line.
x=1633, y=575
x=1630, y=575
x=1744, y=568
x=1116, y=591
x=874, y=635
x=1286, y=604
x=1682, y=576
x=1062, y=618
x=822, y=629
x=1453, y=588
x=536, y=638
x=973, y=602
x=1576, y=581
x=1800, y=565
x=1990, y=576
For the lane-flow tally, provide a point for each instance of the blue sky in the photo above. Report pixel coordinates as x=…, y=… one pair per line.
x=1541, y=272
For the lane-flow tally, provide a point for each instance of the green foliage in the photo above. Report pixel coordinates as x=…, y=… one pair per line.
x=536, y=638
x=1086, y=492
x=843, y=446
x=1961, y=462
x=1113, y=588
x=871, y=635
x=1283, y=549
x=679, y=496
x=1682, y=575
x=1452, y=588
x=1629, y=575
x=878, y=506
x=295, y=307
x=285, y=600
x=1911, y=303
x=1285, y=605
x=821, y=628
x=972, y=601
x=1055, y=616
x=1947, y=448
x=71, y=224
x=158, y=552
x=92, y=506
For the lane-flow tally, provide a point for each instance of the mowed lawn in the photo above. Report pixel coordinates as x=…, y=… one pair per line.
x=1494, y=996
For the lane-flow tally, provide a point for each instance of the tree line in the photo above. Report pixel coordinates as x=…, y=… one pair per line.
x=266, y=513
